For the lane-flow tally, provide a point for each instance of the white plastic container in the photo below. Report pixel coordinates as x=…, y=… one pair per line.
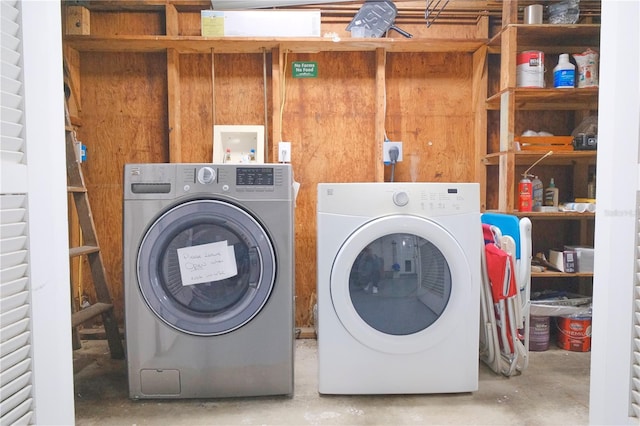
x=564, y=74
x=538, y=194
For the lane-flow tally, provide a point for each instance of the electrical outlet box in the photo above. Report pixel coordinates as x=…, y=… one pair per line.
x=284, y=152
x=386, y=147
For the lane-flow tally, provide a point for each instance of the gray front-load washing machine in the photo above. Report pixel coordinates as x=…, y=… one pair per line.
x=208, y=280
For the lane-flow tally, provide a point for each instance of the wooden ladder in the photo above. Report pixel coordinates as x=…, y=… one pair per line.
x=90, y=249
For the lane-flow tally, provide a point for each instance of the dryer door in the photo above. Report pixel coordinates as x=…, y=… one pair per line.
x=206, y=267
x=401, y=284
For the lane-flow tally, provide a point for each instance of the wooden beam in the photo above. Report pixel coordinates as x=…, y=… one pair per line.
x=171, y=20
x=509, y=45
x=381, y=107
x=278, y=67
x=77, y=20
x=479, y=85
x=509, y=12
x=213, y=88
x=72, y=79
x=507, y=183
x=173, y=91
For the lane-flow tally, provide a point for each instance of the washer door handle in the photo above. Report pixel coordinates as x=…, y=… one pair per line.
x=254, y=267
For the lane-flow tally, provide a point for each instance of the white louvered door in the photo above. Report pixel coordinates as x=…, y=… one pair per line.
x=16, y=395
x=635, y=370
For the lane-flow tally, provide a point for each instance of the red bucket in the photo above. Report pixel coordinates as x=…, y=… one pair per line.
x=574, y=333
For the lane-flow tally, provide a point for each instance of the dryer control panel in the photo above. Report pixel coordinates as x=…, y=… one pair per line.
x=427, y=199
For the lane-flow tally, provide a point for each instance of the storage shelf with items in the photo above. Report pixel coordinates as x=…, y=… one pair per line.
x=526, y=123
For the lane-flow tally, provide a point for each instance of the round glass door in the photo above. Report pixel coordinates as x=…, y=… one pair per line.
x=397, y=282
x=206, y=267
x=400, y=284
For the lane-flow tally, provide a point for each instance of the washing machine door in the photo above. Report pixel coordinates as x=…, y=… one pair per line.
x=401, y=284
x=206, y=267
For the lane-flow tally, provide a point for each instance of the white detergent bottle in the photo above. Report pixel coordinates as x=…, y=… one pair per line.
x=537, y=194
x=564, y=74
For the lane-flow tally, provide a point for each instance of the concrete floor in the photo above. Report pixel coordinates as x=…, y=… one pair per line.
x=553, y=390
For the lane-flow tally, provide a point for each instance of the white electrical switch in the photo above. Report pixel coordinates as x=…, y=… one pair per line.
x=284, y=152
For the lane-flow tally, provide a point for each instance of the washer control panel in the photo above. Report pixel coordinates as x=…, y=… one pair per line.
x=167, y=180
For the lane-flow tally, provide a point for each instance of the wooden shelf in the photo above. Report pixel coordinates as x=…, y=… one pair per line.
x=556, y=215
x=550, y=216
x=534, y=99
x=553, y=38
x=193, y=44
x=558, y=158
x=556, y=274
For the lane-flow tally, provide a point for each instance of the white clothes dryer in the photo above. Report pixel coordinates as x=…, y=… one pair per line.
x=398, y=287
x=208, y=280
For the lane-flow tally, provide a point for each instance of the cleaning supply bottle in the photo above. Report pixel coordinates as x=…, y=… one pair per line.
x=525, y=189
x=227, y=156
x=551, y=195
x=537, y=194
x=564, y=74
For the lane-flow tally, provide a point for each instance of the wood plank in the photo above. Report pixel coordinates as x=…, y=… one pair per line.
x=381, y=109
x=71, y=62
x=195, y=44
x=561, y=37
x=76, y=189
x=509, y=12
x=77, y=20
x=533, y=99
x=171, y=20
x=174, y=106
x=92, y=311
x=507, y=184
x=556, y=274
x=83, y=250
x=529, y=157
x=480, y=76
x=278, y=64
x=508, y=56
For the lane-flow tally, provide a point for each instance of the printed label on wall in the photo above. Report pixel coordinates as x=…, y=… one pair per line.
x=304, y=69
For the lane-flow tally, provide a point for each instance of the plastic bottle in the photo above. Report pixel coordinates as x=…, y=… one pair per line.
x=252, y=156
x=564, y=74
x=551, y=195
x=537, y=197
x=227, y=156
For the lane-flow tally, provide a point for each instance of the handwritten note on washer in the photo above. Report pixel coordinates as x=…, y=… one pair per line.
x=207, y=262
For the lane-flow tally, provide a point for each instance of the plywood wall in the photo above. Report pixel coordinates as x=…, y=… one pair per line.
x=330, y=121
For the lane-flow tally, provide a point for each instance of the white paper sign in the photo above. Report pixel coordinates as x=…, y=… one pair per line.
x=207, y=262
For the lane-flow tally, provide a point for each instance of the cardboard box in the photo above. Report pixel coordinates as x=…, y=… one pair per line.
x=585, y=257
x=564, y=260
x=260, y=23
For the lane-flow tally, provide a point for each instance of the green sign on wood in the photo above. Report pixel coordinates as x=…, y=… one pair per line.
x=304, y=69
